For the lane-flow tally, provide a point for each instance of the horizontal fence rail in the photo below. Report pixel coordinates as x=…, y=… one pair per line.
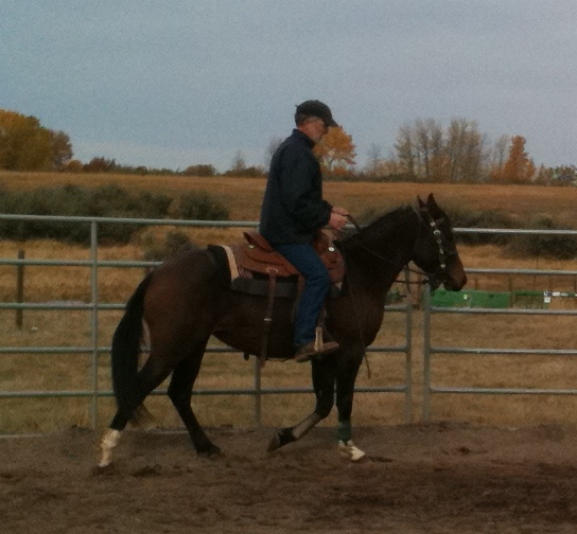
x=430, y=350
x=95, y=349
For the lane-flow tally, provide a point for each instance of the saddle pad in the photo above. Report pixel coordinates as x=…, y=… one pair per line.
x=244, y=281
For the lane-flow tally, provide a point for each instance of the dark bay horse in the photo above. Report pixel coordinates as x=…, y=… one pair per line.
x=186, y=300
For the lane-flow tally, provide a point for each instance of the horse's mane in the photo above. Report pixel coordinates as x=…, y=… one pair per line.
x=381, y=224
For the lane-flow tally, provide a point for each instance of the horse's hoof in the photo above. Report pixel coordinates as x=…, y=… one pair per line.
x=274, y=443
x=210, y=453
x=280, y=439
x=349, y=450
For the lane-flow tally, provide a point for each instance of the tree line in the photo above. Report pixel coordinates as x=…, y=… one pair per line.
x=423, y=151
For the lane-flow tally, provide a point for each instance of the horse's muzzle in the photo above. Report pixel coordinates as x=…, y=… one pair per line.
x=455, y=277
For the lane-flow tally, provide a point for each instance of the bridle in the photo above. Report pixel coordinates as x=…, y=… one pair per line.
x=434, y=279
x=441, y=274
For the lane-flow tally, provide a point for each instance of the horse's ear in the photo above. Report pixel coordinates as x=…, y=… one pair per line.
x=431, y=201
x=422, y=205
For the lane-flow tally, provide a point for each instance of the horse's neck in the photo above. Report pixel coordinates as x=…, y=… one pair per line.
x=382, y=249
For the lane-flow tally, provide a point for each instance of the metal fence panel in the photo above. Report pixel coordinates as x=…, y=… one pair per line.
x=97, y=348
x=430, y=350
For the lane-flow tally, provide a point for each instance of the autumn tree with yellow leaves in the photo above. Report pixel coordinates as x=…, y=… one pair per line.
x=518, y=168
x=25, y=145
x=336, y=152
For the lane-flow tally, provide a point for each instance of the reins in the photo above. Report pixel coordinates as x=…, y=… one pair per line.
x=404, y=266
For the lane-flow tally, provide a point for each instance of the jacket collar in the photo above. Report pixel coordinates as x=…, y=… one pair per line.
x=304, y=137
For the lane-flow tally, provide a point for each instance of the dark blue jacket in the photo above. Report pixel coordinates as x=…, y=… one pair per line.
x=293, y=209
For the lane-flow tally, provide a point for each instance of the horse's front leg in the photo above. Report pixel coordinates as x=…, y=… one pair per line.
x=323, y=377
x=346, y=375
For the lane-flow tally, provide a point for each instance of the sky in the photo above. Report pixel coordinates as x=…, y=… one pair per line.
x=173, y=83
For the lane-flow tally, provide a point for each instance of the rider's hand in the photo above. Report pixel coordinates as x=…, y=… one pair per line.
x=337, y=220
x=340, y=211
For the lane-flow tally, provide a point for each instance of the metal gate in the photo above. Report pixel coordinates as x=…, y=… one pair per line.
x=426, y=313
x=95, y=306
x=545, y=295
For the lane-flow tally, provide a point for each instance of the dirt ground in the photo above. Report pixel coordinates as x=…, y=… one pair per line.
x=433, y=478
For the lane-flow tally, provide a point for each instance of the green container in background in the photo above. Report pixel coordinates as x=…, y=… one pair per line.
x=472, y=298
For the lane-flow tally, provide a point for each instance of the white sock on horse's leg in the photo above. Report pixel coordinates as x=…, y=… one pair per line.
x=109, y=441
x=351, y=451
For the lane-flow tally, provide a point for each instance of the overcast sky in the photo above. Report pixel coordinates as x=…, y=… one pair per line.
x=179, y=82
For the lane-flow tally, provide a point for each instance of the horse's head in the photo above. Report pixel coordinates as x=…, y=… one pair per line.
x=435, y=250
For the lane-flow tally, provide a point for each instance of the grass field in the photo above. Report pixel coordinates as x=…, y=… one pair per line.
x=71, y=328
x=243, y=195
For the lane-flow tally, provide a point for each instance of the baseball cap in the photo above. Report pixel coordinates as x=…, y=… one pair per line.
x=316, y=108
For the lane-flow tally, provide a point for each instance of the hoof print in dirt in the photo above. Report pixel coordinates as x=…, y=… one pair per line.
x=104, y=470
x=147, y=471
x=211, y=454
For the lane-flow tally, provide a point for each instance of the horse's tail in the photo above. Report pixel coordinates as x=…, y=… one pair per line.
x=126, y=349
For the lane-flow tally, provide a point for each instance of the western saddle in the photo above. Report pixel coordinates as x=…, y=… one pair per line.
x=253, y=262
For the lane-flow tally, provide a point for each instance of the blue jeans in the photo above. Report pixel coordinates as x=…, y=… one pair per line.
x=317, y=284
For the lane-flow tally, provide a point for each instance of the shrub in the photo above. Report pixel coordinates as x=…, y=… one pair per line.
x=173, y=244
x=200, y=170
x=246, y=172
x=464, y=218
x=105, y=201
x=200, y=206
x=71, y=200
x=562, y=247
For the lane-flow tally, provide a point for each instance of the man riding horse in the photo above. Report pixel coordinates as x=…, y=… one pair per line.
x=293, y=211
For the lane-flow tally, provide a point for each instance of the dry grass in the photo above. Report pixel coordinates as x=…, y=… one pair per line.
x=243, y=195
x=56, y=372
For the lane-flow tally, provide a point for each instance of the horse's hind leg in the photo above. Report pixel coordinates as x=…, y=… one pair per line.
x=180, y=392
x=149, y=377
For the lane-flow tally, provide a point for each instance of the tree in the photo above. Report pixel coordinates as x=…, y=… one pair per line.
x=428, y=153
x=375, y=154
x=430, y=150
x=74, y=165
x=544, y=176
x=61, y=149
x=199, y=170
x=336, y=152
x=406, y=150
x=466, y=151
x=389, y=170
x=518, y=168
x=420, y=149
x=238, y=164
x=100, y=165
x=564, y=175
x=24, y=144
x=438, y=153
x=239, y=168
x=498, y=153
